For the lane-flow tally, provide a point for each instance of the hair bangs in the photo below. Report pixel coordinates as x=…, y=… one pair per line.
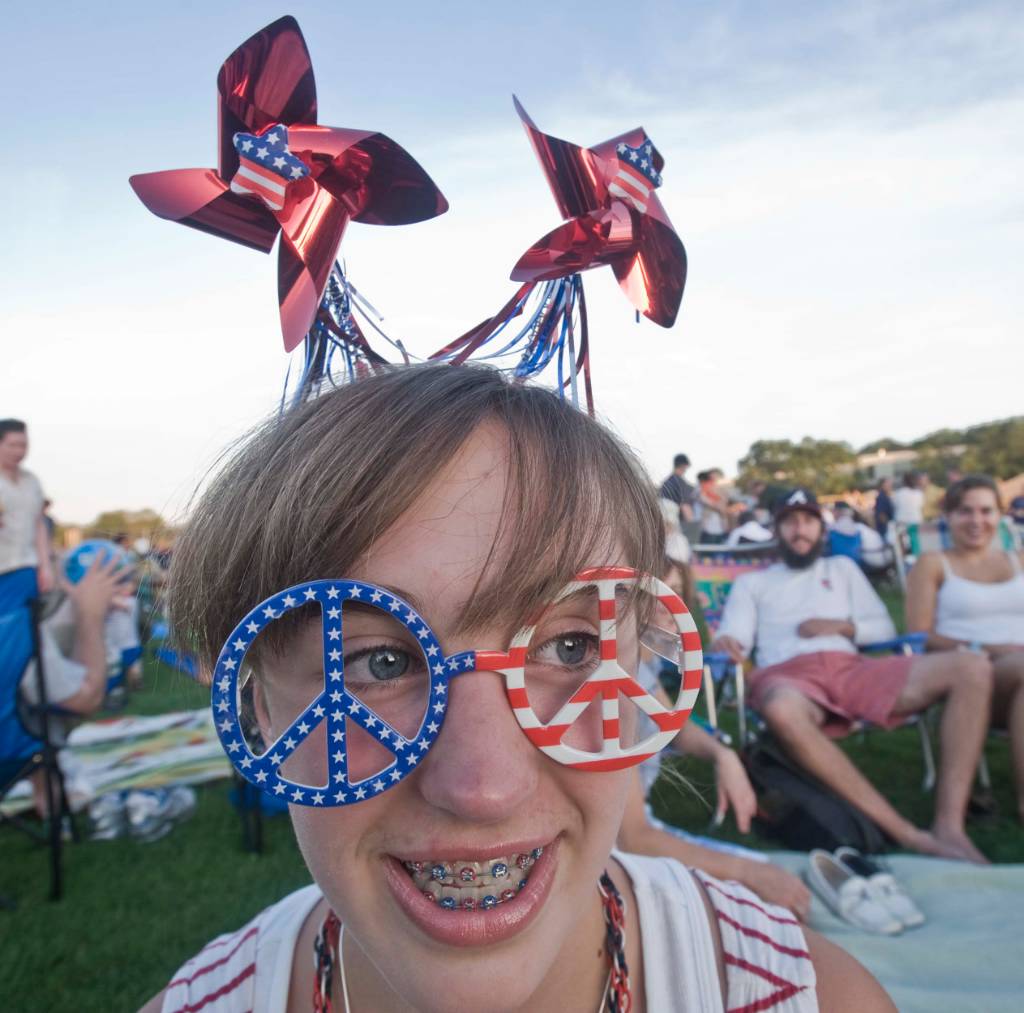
x=307, y=495
x=573, y=502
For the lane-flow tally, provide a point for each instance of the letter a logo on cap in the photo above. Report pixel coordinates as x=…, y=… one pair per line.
x=798, y=497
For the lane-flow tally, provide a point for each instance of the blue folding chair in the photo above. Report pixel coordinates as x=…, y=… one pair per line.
x=846, y=544
x=24, y=750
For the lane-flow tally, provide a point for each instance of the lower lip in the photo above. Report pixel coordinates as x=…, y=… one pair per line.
x=474, y=928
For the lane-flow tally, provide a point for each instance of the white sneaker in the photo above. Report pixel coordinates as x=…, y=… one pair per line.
x=849, y=896
x=884, y=887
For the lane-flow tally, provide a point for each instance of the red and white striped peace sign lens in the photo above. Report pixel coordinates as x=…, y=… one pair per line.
x=573, y=677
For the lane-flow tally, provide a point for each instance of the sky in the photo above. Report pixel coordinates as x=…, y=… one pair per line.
x=845, y=178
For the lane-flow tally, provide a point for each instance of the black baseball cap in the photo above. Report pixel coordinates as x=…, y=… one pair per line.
x=797, y=499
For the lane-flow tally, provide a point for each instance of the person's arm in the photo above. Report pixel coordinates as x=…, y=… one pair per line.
x=91, y=598
x=738, y=628
x=155, y=1005
x=711, y=504
x=843, y=983
x=768, y=881
x=923, y=583
x=732, y=786
x=868, y=614
x=44, y=573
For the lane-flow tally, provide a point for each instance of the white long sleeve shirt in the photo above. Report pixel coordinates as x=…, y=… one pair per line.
x=765, y=608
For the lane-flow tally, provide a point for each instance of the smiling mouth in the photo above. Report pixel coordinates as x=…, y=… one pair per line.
x=470, y=885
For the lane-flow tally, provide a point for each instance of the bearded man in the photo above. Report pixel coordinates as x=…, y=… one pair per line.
x=804, y=616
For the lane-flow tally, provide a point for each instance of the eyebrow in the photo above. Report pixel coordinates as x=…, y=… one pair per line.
x=396, y=592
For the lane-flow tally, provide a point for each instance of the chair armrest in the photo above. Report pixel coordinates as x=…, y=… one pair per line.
x=724, y=737
x=718, y=663
x=915, y=641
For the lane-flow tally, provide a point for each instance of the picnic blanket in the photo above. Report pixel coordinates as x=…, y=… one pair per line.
x=135, y=752
x=967, y=958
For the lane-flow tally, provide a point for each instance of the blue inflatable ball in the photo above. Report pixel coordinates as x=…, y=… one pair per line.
x=80, y=559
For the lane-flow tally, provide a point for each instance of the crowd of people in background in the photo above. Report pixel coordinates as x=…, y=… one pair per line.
x=804, y=617
x=89, y=627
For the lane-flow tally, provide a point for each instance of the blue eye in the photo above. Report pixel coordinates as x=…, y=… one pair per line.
x=386, y=663
x=569, y=650
x=378, y=665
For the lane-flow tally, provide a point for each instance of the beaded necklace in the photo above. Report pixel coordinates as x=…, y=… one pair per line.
x=617, y=996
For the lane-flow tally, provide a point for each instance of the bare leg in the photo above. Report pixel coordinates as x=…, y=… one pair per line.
x=38, y=781
x=963, y=682
x=1008, y=713
x=796, y=722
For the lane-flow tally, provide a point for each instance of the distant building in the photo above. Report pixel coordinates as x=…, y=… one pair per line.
x=894, y=464
x=887, y=463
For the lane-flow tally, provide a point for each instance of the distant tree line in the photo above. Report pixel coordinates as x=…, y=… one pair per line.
x=830, y=466
x=133, y=523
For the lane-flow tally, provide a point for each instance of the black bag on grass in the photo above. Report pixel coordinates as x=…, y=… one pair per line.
x=798, y=810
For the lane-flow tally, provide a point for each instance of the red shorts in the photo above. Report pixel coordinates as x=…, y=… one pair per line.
x=848, y=687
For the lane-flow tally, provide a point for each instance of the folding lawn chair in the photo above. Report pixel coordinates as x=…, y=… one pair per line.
x=715, y=569
x=25, y=750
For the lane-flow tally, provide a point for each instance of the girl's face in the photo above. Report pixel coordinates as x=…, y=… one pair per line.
x=973, y=524
x=484, y=800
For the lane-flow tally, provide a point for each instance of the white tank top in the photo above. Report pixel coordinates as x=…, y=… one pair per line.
x=767, y=964
x=974, y=611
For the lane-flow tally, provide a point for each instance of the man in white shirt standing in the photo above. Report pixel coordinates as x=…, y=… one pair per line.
x=24, y=541
x=908, y=499
x=805, y=615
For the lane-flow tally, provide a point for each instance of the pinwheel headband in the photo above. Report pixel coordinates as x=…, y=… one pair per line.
x=281, y=172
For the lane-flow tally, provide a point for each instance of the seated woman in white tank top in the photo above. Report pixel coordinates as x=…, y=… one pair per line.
x=454, y=794
x=973, y=597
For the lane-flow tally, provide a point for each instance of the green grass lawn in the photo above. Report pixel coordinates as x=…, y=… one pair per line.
x=133, y=912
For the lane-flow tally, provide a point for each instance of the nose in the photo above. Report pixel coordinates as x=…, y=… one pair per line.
x=481, y=768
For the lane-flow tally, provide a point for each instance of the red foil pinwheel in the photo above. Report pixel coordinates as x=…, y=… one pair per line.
x=614, y=217
x=281, y=171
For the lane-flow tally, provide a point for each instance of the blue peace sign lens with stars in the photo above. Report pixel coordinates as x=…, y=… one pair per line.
x=334, y=705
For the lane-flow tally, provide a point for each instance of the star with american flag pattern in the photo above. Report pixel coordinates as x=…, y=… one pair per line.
x=637, y=176
x=265, y=166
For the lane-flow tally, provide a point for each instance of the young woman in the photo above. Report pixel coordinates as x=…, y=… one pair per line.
x=469, y=504
x=972, y=597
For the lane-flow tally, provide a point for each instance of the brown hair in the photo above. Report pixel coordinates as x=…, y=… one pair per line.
x=306, y=495
x=958, y=490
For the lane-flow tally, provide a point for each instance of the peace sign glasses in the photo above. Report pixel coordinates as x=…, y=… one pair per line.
x=369, y=714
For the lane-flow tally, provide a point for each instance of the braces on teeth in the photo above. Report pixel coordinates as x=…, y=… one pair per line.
x=440, y=881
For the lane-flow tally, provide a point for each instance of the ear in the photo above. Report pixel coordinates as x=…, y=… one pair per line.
x=261, y=710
